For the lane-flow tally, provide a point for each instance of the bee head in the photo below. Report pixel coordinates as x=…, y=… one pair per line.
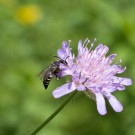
x=61, y=60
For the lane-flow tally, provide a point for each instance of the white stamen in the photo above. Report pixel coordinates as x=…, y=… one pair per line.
x=88, y=41
x=93, y=41
x=92, y=44
x=120, y=60
x=90, y=47
x=85, y=42
x=69, y=41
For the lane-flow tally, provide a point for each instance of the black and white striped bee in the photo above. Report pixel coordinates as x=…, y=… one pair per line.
x=52, y=70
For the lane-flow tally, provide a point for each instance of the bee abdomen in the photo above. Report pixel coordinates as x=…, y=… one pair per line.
x=47, y=81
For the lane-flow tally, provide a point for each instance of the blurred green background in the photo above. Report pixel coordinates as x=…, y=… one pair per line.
x=30, y=32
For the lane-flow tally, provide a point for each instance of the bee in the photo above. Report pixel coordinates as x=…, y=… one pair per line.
x=52, y=70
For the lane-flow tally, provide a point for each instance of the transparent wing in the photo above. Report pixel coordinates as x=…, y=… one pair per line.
x=42, y=74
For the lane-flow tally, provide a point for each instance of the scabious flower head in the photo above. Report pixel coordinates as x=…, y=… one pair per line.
x=92, y=72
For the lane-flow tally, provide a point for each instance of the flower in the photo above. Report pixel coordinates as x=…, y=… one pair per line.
x=92, y=72
x=28, y=14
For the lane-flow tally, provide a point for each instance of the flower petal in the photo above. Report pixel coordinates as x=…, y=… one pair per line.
x=101, y=50
x=116, y=105
x=126, y=81
x=61, y=54
x=81, y=49
x=65, y=45
x=80, y=46
x=64, y=89
x=110, y=59
x=122, y=81
x=118, y=69
x=101, y=107
x=121, y=87
x=65, y=51
x=81, y=88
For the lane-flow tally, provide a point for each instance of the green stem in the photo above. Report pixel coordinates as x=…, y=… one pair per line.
x=53, y=115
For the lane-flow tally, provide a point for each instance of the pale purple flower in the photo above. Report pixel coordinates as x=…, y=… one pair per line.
x=92, y=72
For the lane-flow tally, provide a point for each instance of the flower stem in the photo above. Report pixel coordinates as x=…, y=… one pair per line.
x=53, y=115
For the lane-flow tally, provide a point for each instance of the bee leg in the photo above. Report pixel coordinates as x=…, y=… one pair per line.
x=56, y=75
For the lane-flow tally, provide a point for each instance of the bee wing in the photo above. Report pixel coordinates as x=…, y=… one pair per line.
x=41, y=75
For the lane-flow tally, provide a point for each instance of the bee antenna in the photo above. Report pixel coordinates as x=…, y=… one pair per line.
x=54, y=56
x=67, y=57
x=59, y=57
